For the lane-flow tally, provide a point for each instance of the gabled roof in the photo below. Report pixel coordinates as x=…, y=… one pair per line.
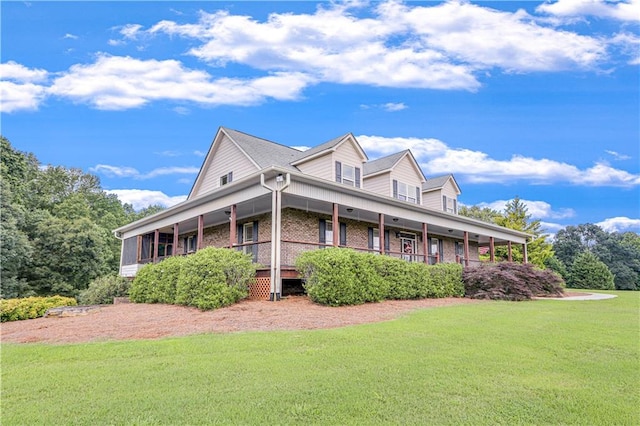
x=262, y=152
x=438, y=182
x=328, y=146
x=386, y=164
x=382, y=164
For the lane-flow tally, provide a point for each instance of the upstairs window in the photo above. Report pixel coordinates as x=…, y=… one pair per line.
x=405, y=192
x=347, y=174
x=449, y=205
x=225, y=179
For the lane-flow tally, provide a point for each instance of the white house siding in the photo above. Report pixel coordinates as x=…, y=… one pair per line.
x=321, y=167
x=348, y=154
x=404, y=171
x=226, y=158
x=432, y=199
x=380, y=184
x=130, y=271
x=449, y=189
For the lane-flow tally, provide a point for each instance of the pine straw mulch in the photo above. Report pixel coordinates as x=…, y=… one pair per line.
x=144, y=321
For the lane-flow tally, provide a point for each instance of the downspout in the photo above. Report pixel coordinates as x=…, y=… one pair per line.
x=276, y=234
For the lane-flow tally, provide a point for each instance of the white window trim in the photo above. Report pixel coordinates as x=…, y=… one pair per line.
x=407, y=192
x=328, y=233
x=351, y=181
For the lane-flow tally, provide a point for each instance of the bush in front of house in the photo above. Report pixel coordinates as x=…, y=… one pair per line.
x=102, y=290
x=510, y=281
x=213, y=278
x=208, y=279
x=31, y=307
x=330, y=277
x=336, y=276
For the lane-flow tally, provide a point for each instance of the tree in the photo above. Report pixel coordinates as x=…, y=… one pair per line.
x=516, y=217
x=484, y=214
x=589, y=272
x=620, y=252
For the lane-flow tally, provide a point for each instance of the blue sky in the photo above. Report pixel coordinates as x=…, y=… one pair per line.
x=539, y=100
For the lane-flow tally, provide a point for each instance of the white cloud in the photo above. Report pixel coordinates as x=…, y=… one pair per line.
x=131, y=30
x=301, y=147
x=123, y=172
x=537, y=209
x=141, y=198
x=115, y=83
x=71, y=36
x=199, y=153
x=21, y=88
x=181, y=110
x=169, y=153
x=617, y=155
x=439, y=46
x=620, y=224
x=393, y=106
x=437, y=158
x=618, y=10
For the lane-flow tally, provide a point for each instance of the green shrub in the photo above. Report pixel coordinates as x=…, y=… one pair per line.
x=143, y=285
x=330, y=277
x=335, y=277
x=589, y=272
x=208, y=279
x=213, y=278
x=510, y=281
x=102, y=290
x=31, y=307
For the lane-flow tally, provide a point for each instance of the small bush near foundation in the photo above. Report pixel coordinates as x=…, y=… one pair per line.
x=102, y=290
x=510, y=281
x=31, y=307
x=213, y=278
x=336, y=276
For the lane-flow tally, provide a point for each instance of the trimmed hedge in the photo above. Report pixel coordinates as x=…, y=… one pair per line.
x=209, y=279
x=31, y=307
x=510, y=281
x=337, y=276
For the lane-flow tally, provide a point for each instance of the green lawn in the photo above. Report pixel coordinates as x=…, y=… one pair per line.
x=541, y=362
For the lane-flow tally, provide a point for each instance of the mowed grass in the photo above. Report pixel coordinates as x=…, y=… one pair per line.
x=541, y=362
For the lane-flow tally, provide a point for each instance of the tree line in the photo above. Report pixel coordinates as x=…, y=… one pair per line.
x=586, y=256
x=56, y=227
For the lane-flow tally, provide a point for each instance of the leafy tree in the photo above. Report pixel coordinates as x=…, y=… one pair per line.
x=516, y=217
x=589, y=272
x=56, y=226
x=620, y=252
x=484, y=214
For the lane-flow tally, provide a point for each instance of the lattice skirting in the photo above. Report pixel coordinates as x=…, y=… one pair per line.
x=260, y=289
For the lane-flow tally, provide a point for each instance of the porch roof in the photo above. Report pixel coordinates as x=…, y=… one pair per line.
x=318, y=192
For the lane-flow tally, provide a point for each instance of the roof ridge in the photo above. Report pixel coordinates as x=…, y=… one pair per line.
x=262, y=139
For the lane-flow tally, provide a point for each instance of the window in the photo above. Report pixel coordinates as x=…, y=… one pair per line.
x=435, y=249
x=190, y=244
x=460, y=250
x=328, y=233
x=349, y=175
x=248, y=237
x=225, y=179
x=375, y=239
x=449, y=205
x=405, y=192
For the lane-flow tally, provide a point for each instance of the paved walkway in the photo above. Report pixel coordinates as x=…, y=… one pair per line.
x=586, y=296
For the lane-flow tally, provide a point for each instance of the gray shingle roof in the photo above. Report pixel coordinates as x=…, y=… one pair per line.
x=383, y=163
x=322, y=147
x=264, y=152
x=436, y=182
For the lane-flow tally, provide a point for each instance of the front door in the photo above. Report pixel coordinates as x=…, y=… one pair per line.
x=408, y=244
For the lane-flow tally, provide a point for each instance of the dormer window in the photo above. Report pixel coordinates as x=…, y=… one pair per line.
x=225, y=179
x=449, y=205
x=405, y=192
x=347, y=174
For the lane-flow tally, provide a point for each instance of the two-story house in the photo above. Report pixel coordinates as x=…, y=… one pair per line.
x=273, y=202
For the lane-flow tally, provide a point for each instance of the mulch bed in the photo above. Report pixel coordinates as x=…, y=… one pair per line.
x=146, y=321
